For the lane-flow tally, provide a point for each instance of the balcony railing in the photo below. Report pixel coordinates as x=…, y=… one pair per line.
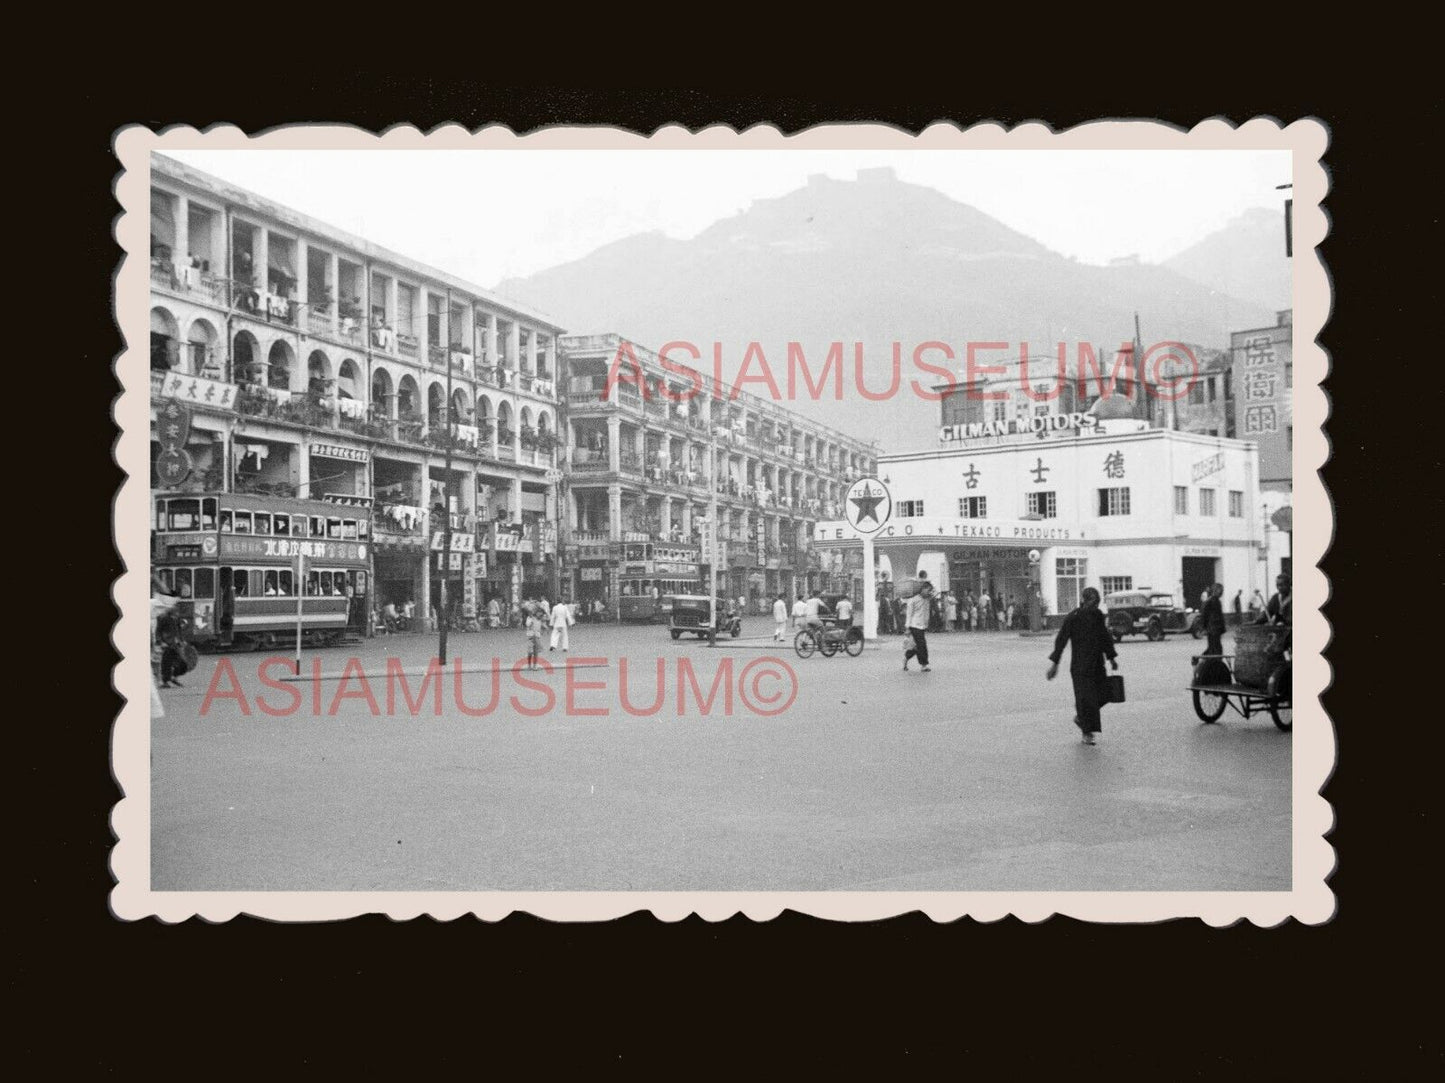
x=406, y=345
x=589, y=459
x=188, y=280
x=437, y=355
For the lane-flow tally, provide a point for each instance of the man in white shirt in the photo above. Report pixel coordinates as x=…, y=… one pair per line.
x=813, y=613
x=919, y=610
x=780, y=619
x=800, y=610
x=561, y=621
x=845, y=612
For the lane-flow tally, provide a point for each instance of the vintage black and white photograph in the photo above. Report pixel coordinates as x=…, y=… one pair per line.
x=583, y=522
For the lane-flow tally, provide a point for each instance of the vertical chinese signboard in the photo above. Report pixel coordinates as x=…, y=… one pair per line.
x=173, y=429
x=1263, y=375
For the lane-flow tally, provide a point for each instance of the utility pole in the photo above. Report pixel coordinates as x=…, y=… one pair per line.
x=1288, y=220
x=446, y=503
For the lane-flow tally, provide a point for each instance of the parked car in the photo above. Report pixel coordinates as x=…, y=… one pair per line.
x=691, y=613
x=1146, y=612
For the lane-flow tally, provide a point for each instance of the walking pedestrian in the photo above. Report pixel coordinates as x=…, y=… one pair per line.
x=561, y=621
x=780, y=619
x=534, y=637
x=1238, y=605
x=844, y=612
x=800, y=610
x=916, y=635
x=985, y=612
x=1090, y=643
x=1211, y=619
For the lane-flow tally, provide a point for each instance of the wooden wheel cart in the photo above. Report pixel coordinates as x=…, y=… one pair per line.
x=1256, y=679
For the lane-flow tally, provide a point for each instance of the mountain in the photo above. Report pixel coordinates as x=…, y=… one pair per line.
x=1244, y=259
x=877, y=261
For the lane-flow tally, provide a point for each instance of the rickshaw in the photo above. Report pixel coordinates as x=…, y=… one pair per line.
x=828, y=639
x=1257, y=678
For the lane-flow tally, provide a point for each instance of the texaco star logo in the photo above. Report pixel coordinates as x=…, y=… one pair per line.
x=868, y=505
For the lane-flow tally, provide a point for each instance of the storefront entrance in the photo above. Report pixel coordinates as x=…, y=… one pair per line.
x=1001, y=573
x=1197, y=574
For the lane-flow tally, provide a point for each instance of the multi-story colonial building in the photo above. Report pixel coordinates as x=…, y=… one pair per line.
x=316, y=364
x=645, y=461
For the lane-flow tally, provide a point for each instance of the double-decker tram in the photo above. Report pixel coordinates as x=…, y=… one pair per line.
x=651, y=573
x=242, y=564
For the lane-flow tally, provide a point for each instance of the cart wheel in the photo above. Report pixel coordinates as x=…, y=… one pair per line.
x=804, y=644
x=854, y=643
x=676, y=634
x=1196, y=630
x=1209, y=705
x=737, y=629
x=1155, y=631
x=1281, y=688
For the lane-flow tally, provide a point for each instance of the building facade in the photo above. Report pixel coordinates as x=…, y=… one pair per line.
x=648, y=450
x=1035, y=494
x=317, y=365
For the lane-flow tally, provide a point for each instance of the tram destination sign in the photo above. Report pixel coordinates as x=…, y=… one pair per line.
x=251, y=548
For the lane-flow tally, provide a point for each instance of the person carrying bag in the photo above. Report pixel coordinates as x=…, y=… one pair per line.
x=1088, y=638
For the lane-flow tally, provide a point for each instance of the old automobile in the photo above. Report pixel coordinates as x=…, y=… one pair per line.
x=692, y=614
x=1145, y=612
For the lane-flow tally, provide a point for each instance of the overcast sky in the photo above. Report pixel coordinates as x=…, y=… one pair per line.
x=490, y=215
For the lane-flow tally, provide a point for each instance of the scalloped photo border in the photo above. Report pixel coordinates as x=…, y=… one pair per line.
x=1309, y=900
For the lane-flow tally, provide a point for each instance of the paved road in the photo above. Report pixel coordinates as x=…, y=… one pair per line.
x=971, y=777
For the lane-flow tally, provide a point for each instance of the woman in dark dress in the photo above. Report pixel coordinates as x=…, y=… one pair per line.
x=1090, y=643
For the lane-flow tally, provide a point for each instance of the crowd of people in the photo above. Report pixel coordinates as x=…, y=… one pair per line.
x=949, y=611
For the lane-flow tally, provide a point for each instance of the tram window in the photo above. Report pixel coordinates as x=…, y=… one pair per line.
x=363, y=527
x=184, y=514
x=226, y=522
x=311, y=581
x=205, y=583
x=298, y=526
x=263, y=523
x=348, y=529
x=325, y=582
x=317, y=527
x=161, y=515
x=167, y=581
x=286, y=585
x=358, y=582
x=243, y=522
x=271, y=585
x=208, y=513
x=333, y=528
x=282, y=526
x=240, y=583
x=183, y=583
